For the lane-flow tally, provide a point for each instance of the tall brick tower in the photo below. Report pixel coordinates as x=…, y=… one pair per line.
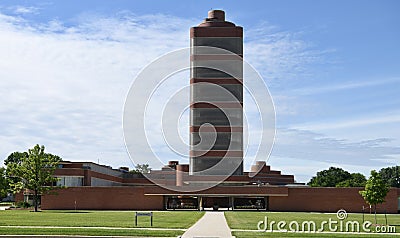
x=213, y=70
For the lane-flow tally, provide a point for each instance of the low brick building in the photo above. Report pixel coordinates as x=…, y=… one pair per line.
x=93, y=186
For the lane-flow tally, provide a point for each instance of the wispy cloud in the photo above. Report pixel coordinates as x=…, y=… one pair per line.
x=393, y=117
x=65, y=86
x=343, y=86
x=25, y=10
x=280, y=55
x=311, y=146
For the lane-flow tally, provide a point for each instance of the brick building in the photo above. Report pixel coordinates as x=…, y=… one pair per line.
x=93, y=186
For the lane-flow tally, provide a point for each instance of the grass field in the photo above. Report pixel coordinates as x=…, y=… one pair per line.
x=249, y=221
x=89, y=232
x=283, y=235
x=87, y=221
x=172, y=224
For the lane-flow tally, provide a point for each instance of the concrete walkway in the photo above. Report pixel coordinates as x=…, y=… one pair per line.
x=212, y=224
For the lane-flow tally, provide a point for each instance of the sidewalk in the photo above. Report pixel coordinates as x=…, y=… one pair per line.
x=2, y=208
x=212, y=224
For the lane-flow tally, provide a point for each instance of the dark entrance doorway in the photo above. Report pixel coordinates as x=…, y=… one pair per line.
x=249, y=203
x=181, y=202
x=216, y=202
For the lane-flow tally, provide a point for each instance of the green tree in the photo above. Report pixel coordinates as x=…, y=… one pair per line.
x=15, y=157
x=375, y=190
x=34, y=172
x=141, y=169
x=329, y=177
x=391, y=175
x=356, y=180
x=4, y=186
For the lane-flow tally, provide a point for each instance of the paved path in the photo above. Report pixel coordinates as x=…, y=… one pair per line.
x=212, y=224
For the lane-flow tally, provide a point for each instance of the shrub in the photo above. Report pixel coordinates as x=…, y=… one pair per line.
x=23, y=204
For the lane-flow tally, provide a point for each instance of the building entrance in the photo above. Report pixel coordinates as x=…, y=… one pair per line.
x=181, y=202
x=200, y=203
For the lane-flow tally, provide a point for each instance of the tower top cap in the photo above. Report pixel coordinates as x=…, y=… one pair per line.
x=216, y=18
x=216, y=15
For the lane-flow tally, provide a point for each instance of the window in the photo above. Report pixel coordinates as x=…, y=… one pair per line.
x=223, y=141
x=217, y=117
x=208, y=92
x=70, y=181
x=233, y=44
x=217, y=69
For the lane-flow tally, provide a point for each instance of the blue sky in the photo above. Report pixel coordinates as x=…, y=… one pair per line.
x=332, y=68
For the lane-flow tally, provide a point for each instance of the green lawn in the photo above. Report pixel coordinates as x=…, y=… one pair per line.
x=239, y=234
x=89, y=232
x=249, y=221
x=121, y=223
x=82, y=219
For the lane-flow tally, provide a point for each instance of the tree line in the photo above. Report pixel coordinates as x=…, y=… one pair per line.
x=375, y=188
x=337, y=177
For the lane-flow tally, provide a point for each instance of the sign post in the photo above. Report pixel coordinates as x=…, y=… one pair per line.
x=144, y=214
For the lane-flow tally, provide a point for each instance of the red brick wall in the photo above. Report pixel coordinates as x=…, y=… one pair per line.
x=19, y=197
x=328, y=200
x=298, y=199
x=104, y=198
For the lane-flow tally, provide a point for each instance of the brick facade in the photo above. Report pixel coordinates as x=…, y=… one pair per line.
x=300, y=199
x=330, y=200
x=102, y=198
x=136, y=192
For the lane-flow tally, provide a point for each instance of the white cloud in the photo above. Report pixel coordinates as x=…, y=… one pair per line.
x=351, y=123
x=279, y=55
x=310, y=146
x=25, y=10
x=343, y=86
x=64, y=87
